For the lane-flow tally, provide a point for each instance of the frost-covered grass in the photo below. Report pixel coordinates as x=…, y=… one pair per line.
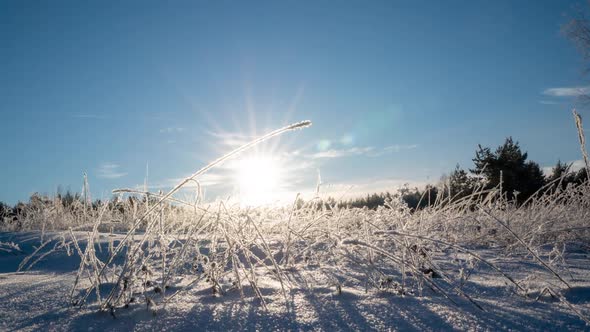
x=467, y=258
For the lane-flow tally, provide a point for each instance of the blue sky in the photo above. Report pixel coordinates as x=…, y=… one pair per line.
x=397, y=91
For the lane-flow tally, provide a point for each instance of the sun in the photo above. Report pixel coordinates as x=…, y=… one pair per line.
x=259, y=179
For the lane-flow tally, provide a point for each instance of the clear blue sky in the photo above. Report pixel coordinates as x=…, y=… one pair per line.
x=397, y=91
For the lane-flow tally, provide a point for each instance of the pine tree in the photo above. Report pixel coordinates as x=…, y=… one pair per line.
x=508, y=164
x=460, y=184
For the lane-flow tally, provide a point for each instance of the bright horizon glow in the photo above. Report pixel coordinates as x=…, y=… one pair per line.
x=259, y=178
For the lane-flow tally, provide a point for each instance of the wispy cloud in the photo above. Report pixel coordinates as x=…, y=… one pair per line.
x=400, y=147
x=109, y=171
x=336, y=153
x=88, y=116
x=369, y=151
x=171, y=130
x=549, y=102
x=229, y=139
x=574, y=91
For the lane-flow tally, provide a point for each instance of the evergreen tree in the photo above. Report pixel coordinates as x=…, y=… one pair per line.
x=561, y=174
x=459, y=183
x=581, y=176
x=508, y=165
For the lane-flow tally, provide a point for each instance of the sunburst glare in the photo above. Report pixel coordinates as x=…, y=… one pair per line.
x=259, y=178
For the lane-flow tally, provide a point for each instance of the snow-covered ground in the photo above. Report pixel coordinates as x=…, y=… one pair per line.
x=38, y=299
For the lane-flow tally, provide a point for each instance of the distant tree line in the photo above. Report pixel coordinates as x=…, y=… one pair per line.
x=506, y=168
x=415, y=198
x=71, y=202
